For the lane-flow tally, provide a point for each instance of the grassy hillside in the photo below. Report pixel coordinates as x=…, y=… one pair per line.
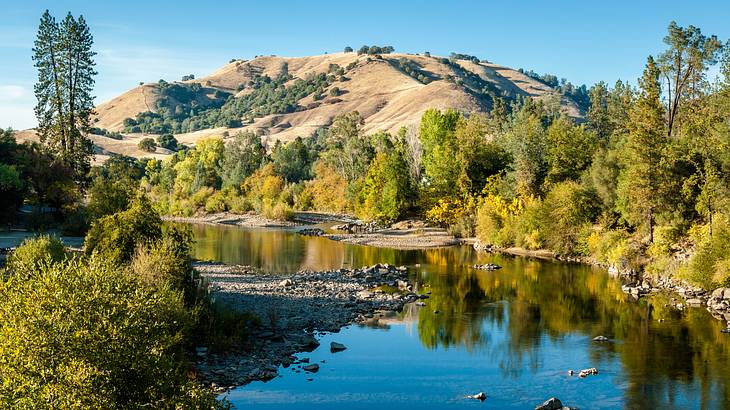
x=282, y=98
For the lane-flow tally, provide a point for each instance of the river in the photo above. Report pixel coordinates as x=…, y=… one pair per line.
x=512, y=333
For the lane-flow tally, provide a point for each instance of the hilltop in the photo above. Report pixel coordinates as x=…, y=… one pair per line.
x=281, y=98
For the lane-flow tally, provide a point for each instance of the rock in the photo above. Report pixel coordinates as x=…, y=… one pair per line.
x=201, y=351
x=600, y=339
x=479, y=396
x=487, y=266
x=726, y=330
x=694, y=302
x=365, y=294
x=436, y=312
x=337, y=347
x=588, y=372
x=309, y=342
x=421, y=304
x=286, y=283
x=726, y=294
x=552, y=403
x=571, y=372
x=312, y=368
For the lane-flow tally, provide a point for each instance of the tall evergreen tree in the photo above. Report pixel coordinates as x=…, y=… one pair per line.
x=642, y=178
x=65, y=63
x=684, y=65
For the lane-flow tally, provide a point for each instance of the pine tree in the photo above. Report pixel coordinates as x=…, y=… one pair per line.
x=642, y=180
x=65, y=63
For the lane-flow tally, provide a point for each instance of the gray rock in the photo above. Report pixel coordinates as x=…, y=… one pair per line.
x=479, y=396
x=337, y=347
x=600, y=339
x=286, y=283
x=312, y=368
x=552, y=403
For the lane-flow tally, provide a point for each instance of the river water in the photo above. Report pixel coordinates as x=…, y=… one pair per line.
x=512, y=333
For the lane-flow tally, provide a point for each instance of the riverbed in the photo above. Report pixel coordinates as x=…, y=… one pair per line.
x=512, y=333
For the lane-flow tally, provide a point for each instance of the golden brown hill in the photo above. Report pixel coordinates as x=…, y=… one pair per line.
x=376, y=86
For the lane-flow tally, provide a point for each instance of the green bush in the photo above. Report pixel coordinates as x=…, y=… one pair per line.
x=118, y=235
x=709, y=267
x=88, y=335
x=615, y=248
x=566, y=210
x=159, y=265
x=36, y=252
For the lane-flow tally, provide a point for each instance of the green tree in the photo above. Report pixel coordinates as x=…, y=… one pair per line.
x=599, y=120
x=387, y=189
x=570, y=149
x=643, y=177
x=147, y=145
x=242, y=156
x=684, y=65
x=65, y=63
x=526, y=142
x=292, y=161
x=116, y=236
x=347, y=150
x=437, y=133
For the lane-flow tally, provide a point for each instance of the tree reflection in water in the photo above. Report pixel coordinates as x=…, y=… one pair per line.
x=531, y=301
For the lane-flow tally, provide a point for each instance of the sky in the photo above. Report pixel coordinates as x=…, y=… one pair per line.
x=582, y=41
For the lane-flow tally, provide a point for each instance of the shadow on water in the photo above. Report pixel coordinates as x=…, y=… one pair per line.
x=517, y=330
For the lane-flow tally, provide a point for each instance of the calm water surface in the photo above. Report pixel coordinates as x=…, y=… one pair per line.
x=512, y=333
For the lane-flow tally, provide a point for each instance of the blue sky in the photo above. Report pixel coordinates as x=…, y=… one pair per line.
x=583, y=41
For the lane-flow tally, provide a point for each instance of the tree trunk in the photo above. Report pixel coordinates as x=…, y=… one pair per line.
x=651, y=226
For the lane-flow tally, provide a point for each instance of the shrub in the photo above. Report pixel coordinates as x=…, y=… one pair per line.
x=36, y=252
x=614, y=248
x=98, y=338
x=567, y=208
x=159, y=265
x=709, y=266
x=495, y=218
x=147, y=145
x=117, y=236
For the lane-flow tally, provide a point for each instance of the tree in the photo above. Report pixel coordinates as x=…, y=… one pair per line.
x=65, y=63
x=241, y=157
x=292, y=161
x=526, y=142
x=437, y=133
x=642, y=179
x=387, y=189
x=168, y=141
x=203, y=166
x=684, y=64
x=347, y=150
x=348, y=49
x=569, y=150
x=147, y=145
x=599, y=120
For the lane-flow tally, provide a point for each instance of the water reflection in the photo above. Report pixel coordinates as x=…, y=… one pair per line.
x=527, y=319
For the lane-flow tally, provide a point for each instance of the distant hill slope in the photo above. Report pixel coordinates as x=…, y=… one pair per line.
x=389, y=91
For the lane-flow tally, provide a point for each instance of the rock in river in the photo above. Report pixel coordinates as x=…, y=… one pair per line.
x=600, y=339
x=337, y=347
x=552, y=403
x=312, y=368
x=479, y=396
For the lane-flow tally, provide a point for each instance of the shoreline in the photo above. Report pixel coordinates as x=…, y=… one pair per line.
x=404, y=235
x=293, y=310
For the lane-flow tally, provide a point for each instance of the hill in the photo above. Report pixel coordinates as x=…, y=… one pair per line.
x=281, y=98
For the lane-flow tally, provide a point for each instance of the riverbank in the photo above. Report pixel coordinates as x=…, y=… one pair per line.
x=249, y=220
x=408, y=238
x=293, y=310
